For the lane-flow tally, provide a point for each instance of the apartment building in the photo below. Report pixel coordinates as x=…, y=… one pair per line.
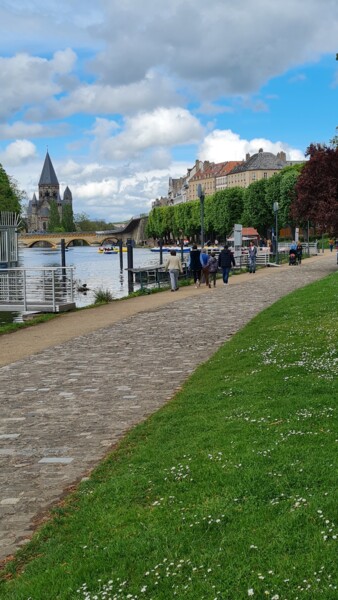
x=222, y=176
x=262, y=165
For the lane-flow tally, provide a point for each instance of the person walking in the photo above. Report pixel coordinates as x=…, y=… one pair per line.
x=213, y=268
x=174, y=266
x=195, y=264
x=331, y=244
x=299, y=253
x=252, y=256
x=204, y=259
x=225, y=260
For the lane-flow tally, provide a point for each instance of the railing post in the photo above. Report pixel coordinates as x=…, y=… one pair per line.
x=71, y=286
x=24, y=291
x=53, y=290
x=130, y=264
x=121, y=254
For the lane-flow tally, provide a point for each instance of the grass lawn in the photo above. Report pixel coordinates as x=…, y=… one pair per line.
x=228, y=492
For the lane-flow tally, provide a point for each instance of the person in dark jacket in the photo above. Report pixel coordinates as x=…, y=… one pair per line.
x=226, y=259
x=299, y=253
x=195, y=264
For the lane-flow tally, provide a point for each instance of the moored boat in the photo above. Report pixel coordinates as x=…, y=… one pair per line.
x=169, y=248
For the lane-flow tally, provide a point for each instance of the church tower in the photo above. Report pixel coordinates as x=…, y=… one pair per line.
x=38, y=210
x=49, y=188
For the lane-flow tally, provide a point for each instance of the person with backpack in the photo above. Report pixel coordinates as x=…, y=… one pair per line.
x=204, y=259
x=213, y=268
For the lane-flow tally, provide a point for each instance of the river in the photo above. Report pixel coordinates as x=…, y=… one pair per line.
x=98, y=271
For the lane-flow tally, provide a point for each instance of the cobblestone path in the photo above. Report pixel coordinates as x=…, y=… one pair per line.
x=63, y=408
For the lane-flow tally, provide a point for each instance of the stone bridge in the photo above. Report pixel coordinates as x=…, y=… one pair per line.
x=135, y=230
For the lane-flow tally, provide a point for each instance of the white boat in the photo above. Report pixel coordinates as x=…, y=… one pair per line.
x=170, y=248
x=107, y=250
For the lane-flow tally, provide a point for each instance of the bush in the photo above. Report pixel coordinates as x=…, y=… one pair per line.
x=103, y=296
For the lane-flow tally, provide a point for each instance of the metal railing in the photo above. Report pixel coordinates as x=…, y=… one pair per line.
x=44, y=289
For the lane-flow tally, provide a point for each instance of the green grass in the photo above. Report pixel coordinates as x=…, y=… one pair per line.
x=230, y=488
x=12, y=327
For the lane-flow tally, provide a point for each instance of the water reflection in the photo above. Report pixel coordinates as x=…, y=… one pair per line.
x=93, y=270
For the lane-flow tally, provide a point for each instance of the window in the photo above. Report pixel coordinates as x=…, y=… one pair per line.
x=265, y=175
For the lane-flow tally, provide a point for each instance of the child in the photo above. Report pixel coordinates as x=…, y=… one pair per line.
x=213, y=267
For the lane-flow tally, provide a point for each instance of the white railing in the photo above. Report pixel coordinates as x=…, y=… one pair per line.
x=310, y=248
x=44, y=289
x=262, y=259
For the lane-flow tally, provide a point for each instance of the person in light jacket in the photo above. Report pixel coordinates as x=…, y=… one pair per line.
x=174, y=266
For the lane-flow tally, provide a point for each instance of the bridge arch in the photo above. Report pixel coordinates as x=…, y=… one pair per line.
x=83, y=241
x=41, y=244
x=110, y=240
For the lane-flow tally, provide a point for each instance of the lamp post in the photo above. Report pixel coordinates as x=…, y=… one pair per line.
x=201, y=196
x=275, y=210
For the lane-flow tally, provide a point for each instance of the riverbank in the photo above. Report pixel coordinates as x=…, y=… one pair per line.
x=66, y=326
x=28, y=341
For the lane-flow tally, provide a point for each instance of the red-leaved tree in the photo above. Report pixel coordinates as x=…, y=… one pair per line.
x=317, y=190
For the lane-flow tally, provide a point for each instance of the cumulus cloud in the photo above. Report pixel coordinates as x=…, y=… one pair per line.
x=21, y=129
x=162, y=127
x=96, y=98
x=213, y=42
x=221, y=145
x=20, y=151
x=26, y=80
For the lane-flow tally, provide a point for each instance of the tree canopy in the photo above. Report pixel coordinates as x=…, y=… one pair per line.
x=54, y=223
x=10, y=195
x=317, y=189
x=68, y=218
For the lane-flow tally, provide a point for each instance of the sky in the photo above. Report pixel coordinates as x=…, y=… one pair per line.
x=125, y=94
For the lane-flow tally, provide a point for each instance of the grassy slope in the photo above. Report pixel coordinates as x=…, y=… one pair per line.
x=228, y=491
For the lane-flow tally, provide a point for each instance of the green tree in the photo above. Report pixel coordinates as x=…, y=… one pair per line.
x=288, y=195
x=10, y=195
x=54, y=223
x=68, y=218
x=257, y=212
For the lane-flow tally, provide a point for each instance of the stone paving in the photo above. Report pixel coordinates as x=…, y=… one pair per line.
x=62, y=409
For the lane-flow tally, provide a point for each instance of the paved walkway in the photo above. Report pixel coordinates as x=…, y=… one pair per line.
x=64, y=405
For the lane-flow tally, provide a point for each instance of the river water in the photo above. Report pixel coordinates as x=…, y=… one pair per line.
x=98, y=271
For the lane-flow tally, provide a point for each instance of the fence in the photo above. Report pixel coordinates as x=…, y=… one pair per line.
x=9, y=223
x=45, y=289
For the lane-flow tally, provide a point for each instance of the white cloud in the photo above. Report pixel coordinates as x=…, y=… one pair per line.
x=221, y=145
x=21, y=129
x=238, y=45
x=26, y=80
x=161, y=128
x=20, y=151
x=97, y=98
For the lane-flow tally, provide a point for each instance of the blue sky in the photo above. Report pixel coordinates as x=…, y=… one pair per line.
x=127, y=94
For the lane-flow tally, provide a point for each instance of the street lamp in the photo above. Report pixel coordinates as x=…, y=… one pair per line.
x=275, y=210
x=201, y=196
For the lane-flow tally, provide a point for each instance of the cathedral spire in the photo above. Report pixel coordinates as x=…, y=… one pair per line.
x=48, y=176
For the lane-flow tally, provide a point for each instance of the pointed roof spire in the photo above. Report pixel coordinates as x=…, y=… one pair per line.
x=48, y=176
